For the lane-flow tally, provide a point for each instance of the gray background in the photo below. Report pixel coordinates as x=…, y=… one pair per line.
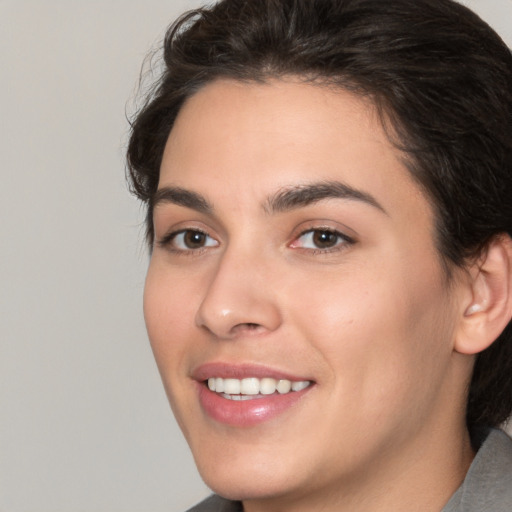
x=84, y=423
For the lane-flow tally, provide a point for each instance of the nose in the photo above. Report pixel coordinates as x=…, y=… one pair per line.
x=239, y=298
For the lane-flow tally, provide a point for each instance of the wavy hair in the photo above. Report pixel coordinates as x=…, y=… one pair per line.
x=440, y=77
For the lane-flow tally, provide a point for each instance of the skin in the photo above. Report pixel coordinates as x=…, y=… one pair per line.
x=371, y=320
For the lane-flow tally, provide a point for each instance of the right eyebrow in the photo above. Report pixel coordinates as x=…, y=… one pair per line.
x=310, y=193
x=181, y=197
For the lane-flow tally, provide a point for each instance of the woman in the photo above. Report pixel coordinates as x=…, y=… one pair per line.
x=329, y=295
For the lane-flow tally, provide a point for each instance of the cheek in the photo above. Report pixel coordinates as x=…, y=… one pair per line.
x=383, y=333
x=168, y=313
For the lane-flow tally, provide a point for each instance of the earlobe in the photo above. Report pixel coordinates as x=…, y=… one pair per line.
x=490, y=299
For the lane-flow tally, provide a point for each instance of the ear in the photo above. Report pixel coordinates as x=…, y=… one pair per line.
x=487, y=308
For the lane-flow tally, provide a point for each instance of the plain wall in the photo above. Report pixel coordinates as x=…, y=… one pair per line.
x=84, y=422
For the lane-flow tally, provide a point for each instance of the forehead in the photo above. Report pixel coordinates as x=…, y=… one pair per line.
x=254, y=139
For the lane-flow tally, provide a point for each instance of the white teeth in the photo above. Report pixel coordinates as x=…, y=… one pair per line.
x=267, y=386
x=219, y=385
x=232, y=386
x=299, y=386
x=237, y=389
x=250, y=386
x=237, y=397
x=284, y=386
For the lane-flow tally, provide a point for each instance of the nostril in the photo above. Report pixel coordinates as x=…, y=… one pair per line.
x=247, y=327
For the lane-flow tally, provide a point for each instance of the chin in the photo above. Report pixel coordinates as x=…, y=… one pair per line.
x=252, y=478
x=246, y=488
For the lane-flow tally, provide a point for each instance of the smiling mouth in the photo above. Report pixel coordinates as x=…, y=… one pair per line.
x=252, y=387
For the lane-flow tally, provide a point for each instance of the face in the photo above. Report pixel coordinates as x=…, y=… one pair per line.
x=294, y=272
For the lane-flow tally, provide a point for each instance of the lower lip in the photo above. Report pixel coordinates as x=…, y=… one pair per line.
x=245, y=413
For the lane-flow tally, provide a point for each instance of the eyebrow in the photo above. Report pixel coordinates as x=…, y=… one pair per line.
x=182, y=197
x=310, y=193
x=284, y=200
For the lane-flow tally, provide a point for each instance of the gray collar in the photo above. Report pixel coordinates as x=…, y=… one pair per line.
x=488, y=483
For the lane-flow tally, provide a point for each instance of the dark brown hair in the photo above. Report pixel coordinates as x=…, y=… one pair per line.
x=440, y=77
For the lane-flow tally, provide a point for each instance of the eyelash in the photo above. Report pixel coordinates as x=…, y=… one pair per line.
x=167, y=242
x=341, y=241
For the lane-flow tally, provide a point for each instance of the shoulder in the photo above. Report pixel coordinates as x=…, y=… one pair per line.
x=488, y=483
x=217, y=504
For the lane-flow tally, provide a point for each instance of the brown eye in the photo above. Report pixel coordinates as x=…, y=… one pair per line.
x=189, y=240
x=321, y=240
x=325, y=239
x=194, y=239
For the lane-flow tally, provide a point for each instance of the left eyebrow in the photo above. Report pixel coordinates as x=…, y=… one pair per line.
x=310, y=193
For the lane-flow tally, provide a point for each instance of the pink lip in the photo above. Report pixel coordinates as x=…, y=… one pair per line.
x=241, y=371
x=244, y=413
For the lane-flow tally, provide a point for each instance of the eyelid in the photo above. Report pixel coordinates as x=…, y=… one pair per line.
x=345, y=240
x=166, y=240
x=170, y=219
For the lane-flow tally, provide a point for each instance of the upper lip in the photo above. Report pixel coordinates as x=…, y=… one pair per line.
x=228, y=370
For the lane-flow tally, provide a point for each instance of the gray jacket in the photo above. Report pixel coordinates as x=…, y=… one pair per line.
x=486, y=488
